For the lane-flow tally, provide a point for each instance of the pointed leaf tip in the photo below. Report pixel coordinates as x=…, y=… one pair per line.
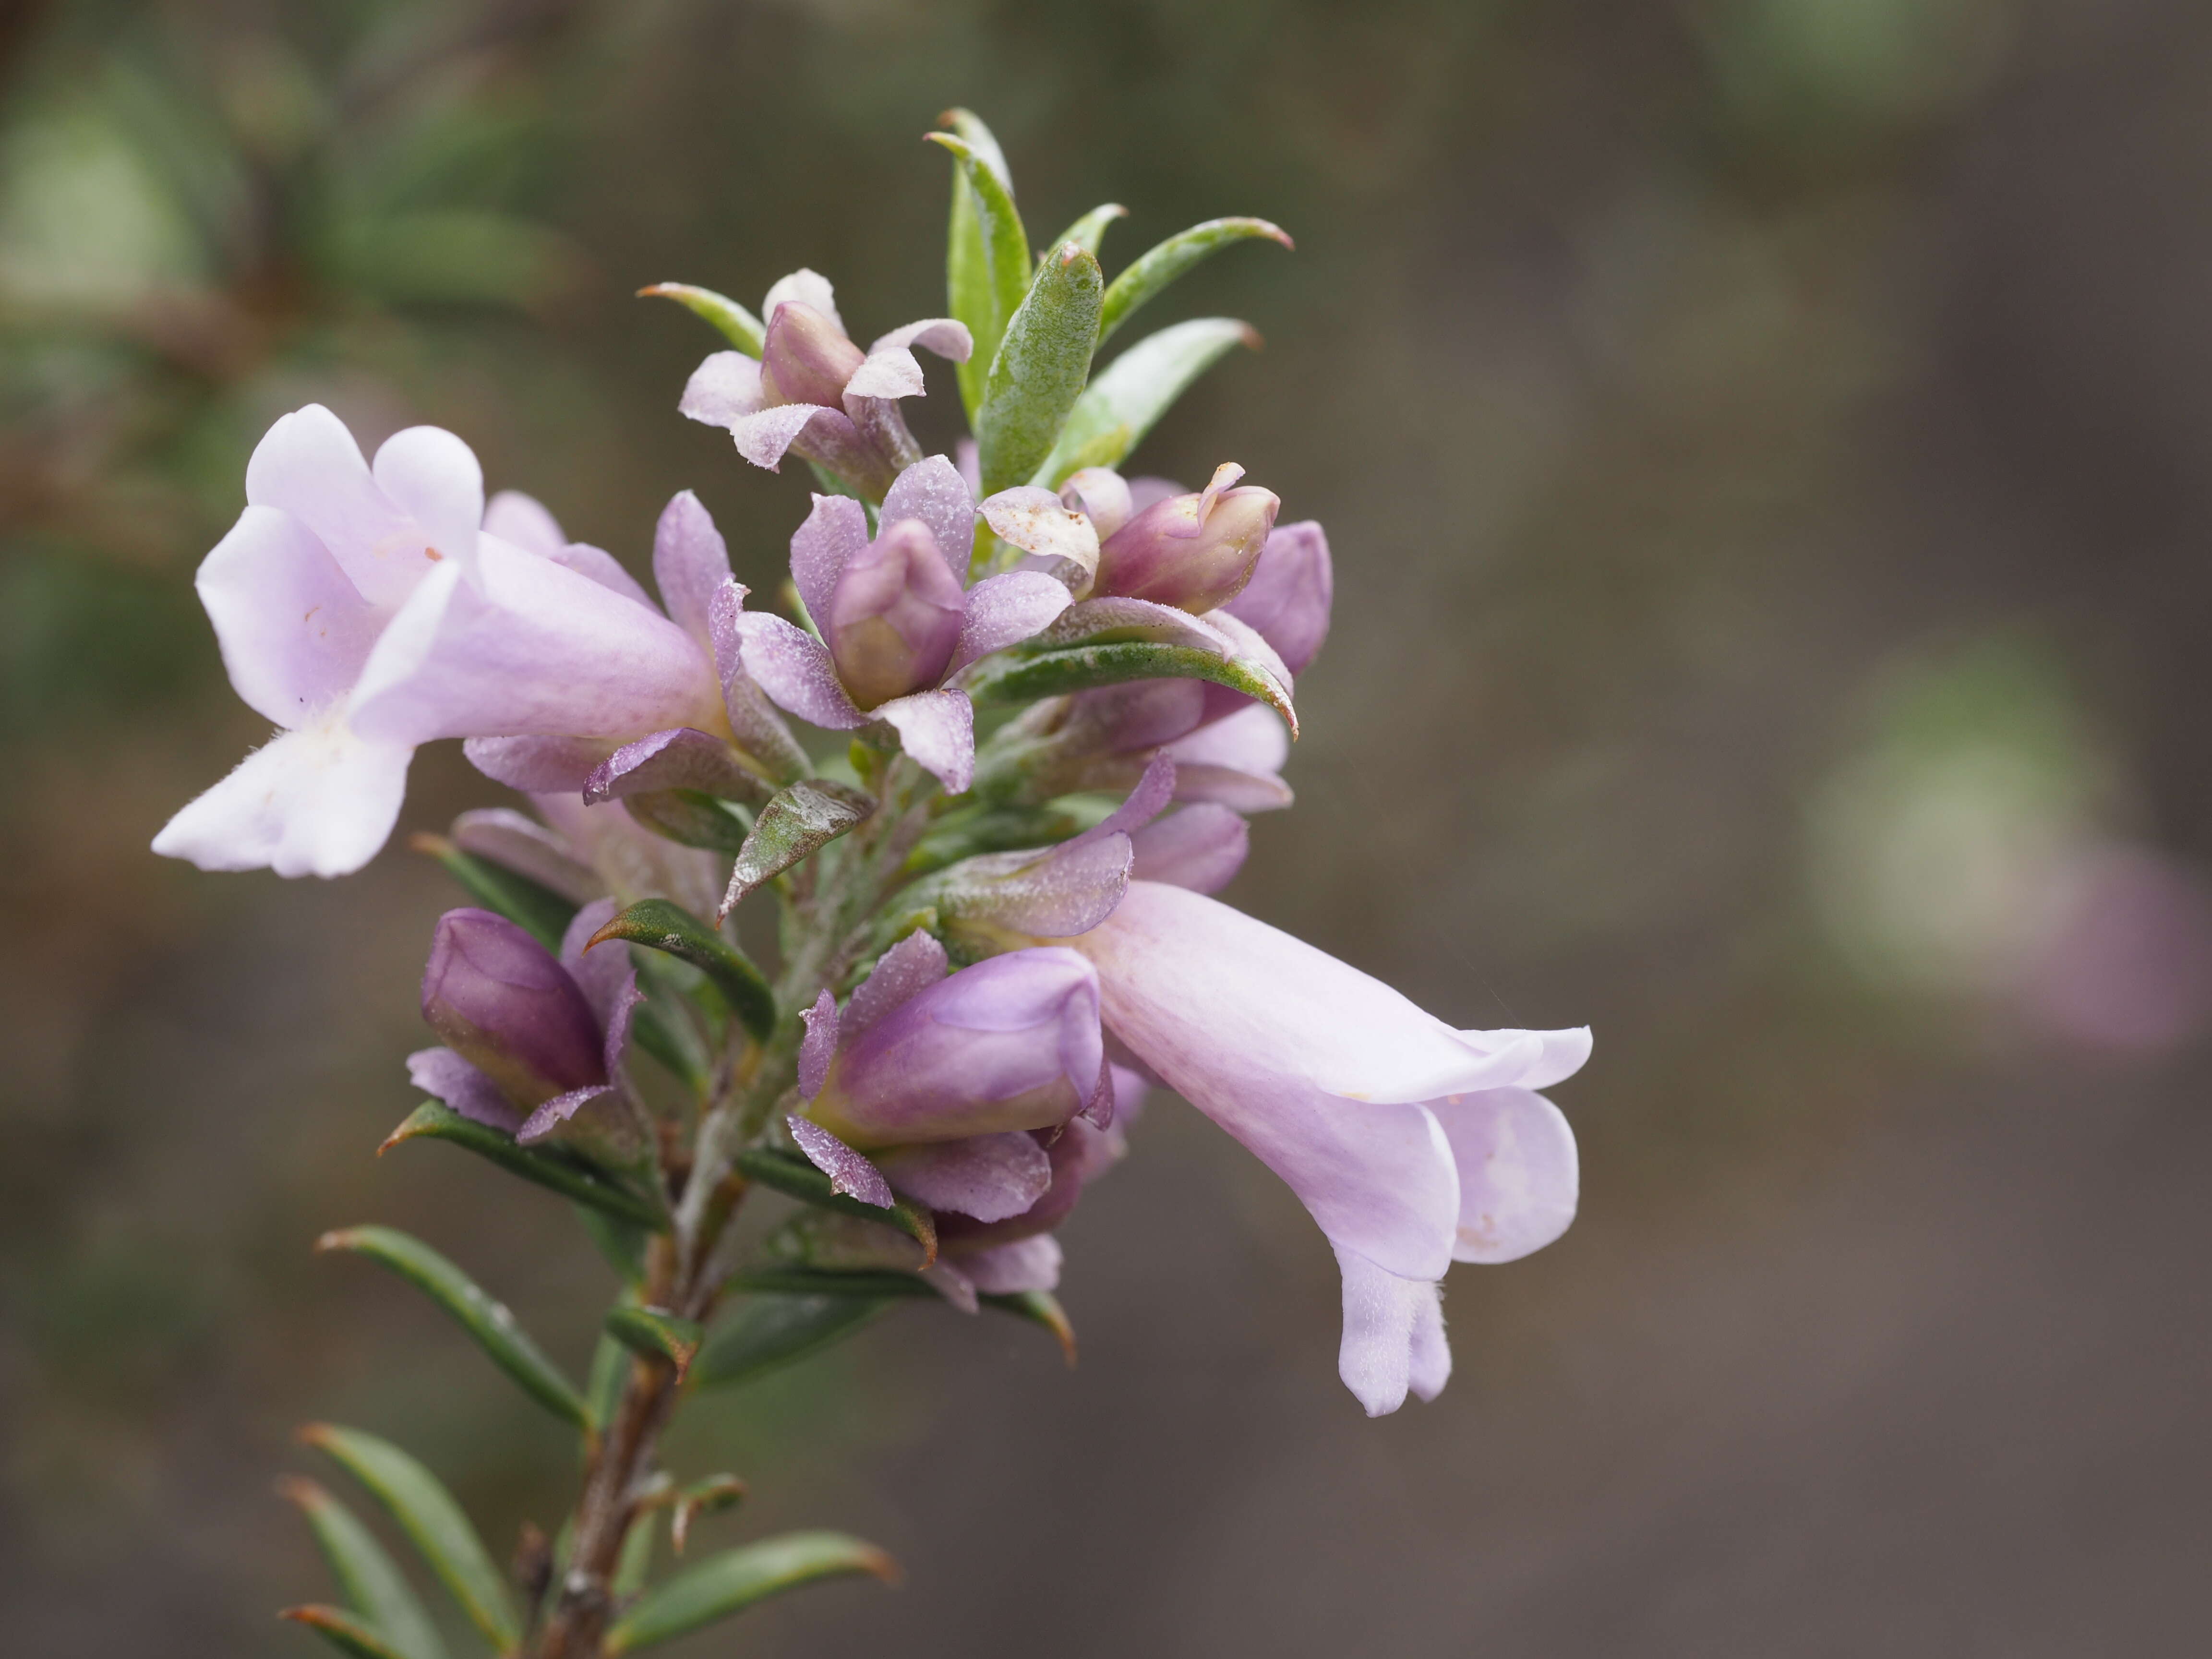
x=731, y=1582
x=657, y=1333
x=660, y=925
x=368, y=1579
x=344, y=1631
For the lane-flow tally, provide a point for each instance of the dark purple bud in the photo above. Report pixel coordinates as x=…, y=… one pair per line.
x=503, y=1003
x=805, y=358
x=1010, y=1043
x=894, y=616
x=1193, y=552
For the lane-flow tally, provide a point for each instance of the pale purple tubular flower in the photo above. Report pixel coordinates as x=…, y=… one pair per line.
x=815, y=393
x=1410, y=1143
x=896, y=624
x=1196, y=551
x=1009, y=1044
x=503, y=1003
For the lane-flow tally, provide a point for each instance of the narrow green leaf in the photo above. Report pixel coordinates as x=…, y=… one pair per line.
x=657, y=1333
x=538, y=909
x=1132, y=392
x=1089, y=232
x=1039, y=1308
x=690, y=818
x=799, y=822
x=1041, y=367
x=793, y=1177
x=488, y=1321
x=433, y=1521
x=610, y=1365
x=622, y=1243
x=769, y=1331
x=634, y=1565
x=1023, y=678
x=711, y=1496
x=1154, y=270
x=987, y=265
x=562, y=1171
x=737, y=325
x=662, y=925
x=735, y=1579
x=348, y=1634
x=368, y=1578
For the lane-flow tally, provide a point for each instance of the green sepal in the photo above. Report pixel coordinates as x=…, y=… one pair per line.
x=711, y=1496
x=793, y=1177
x=970, y=833
x=770, y=1332
x=369, y=1580
x=489, y=1322
x=1039, y=1308
x=656, y=1334
x=348, y=1634
x=735, y=1580
x=1040, y=369
x=1089, y=233
x=662, y=925
x=690, y=818
x=1130, y=394
x=732, y=320
x=433, y=1521
x=1018, y=676
x=538, y=909
x=562, y=1171
x=1156, y=268
x=987, y=263
x=799, y=822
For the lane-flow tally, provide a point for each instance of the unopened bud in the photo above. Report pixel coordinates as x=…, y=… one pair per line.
x=894, y=616
x=1194, y=551
x=805, y=358
x=500, y=1001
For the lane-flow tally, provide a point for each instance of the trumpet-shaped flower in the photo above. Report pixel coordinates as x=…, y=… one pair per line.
x=897, y=620
x=813, y=392
x=1412, y=1144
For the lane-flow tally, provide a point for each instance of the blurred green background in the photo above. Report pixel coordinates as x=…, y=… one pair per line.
x=1764, y=446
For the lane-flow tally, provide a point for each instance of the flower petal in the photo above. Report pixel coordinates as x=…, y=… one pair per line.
x=1199, y=848
x=538, y=765
x=948, y=338
x=1564, y=1053
x=1027, y=1264
x=1430, y=1364
x=318, y=801
x=295, y=631
x=849, y=1172
x=808, y=287
x=533, y=650
x=758, y=729
x=907, y=968
x=1004, y=611
x=682, y=757
x=723, y=390
x=764, y=437
x=529, y=848
x=1518, y=1174
x=819, y=1046
x=603, y=975
x=309, y=464
x=794, y=668
x=442, y=1073
x=1288, y=598
x=603, y=568
x=1380, y=1312
x=434, y=477
x=937, y=728
x=1037, y=521
x=992, y=1177
x=1105, y=495
x=834, y=532
x=933, y=491
x=689, y=562
x=525, y=521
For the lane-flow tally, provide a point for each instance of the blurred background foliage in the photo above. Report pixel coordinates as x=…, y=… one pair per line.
x=1762, y=442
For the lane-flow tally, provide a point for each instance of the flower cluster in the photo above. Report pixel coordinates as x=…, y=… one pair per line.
x=1058, y=693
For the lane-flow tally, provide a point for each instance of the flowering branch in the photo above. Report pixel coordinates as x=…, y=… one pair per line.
x=988, y=951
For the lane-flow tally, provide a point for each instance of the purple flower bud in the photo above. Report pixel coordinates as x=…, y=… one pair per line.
x=1010, y=1043
x=503, y=1003
x=805, y=358
x=1193, y=552
x=894, y=616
